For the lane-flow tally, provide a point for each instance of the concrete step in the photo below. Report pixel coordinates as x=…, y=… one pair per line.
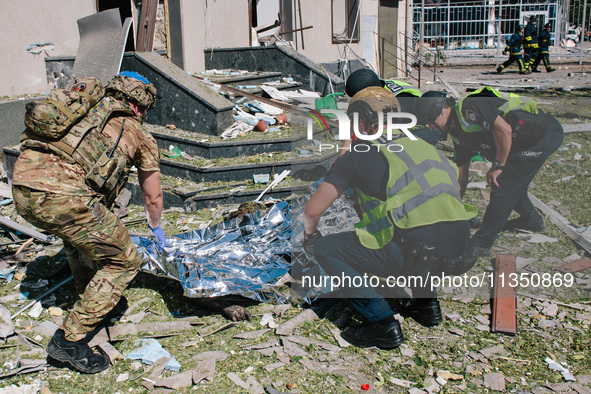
x=189, y=185
x=306, y=169
x=240, y=78
x=193, y=196
x=212, y=148
x=218, y=186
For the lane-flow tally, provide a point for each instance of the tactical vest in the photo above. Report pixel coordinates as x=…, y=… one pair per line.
x=422, y=189
x=398, y=87
x=87, y=146
x=520, y=112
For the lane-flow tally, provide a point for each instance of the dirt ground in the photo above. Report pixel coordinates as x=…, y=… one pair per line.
x=294, y=349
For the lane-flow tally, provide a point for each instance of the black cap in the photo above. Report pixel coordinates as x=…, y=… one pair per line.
x=429, y=106
x=361, y=79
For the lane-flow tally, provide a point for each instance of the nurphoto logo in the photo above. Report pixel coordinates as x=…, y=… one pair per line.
x=400, y=121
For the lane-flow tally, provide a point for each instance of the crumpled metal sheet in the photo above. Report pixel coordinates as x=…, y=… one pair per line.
x=243, y=256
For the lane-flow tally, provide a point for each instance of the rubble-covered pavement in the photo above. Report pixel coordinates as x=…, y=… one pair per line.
x=164, y=343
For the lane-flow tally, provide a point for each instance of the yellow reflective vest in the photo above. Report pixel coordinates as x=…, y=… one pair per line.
x=422, y=189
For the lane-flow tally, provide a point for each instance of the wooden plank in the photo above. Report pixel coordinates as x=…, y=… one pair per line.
x=145, y=39
x=4, y=221
x=504, y=301
x=575, y=266
x=562, y=223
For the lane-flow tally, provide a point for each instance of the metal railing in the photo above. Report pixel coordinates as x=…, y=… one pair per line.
x=477, y=24
x=415, y=55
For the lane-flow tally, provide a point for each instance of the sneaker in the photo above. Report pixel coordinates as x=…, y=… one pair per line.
x=384, y=336
x=77, y=354
x=475, y=250
x=534, y=225
x=425, y=311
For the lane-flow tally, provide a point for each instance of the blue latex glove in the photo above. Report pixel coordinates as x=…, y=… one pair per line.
x=159, y=233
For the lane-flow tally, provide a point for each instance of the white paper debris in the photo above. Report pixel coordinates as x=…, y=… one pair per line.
x=553, y=365
x=267, y=320
x=36, y=310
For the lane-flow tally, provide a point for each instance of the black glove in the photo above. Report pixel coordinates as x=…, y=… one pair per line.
x=310, y=240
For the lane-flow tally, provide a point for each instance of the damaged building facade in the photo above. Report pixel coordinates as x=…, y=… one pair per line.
x=325, y=32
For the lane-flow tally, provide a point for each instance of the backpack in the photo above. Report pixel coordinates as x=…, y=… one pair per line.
x=74, y=132
x=54, y=116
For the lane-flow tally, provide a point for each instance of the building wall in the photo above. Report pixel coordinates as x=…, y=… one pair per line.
x=225, y=23
x=317, y=42
x=206, y=24
x=27, y=22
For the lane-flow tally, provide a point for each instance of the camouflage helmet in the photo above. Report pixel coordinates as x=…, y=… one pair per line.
x=371, y=100
x=131, y=86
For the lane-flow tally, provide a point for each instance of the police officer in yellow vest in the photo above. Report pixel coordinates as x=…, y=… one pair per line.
x=509, y=131
x=412, y=223
x=404, y=92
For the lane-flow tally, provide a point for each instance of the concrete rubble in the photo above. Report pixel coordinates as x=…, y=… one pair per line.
x=290, y=346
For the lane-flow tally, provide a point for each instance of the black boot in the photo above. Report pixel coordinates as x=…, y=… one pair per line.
x=77, y=354
x=425, y=311
x=116, y=313
x=533, y=224
x=385, y=334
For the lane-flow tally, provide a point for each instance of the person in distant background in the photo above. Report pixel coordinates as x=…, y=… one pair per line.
x=515, y=52
x=544, y=50
x=530, y=43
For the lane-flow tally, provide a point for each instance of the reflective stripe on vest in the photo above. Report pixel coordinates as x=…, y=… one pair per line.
x=398, y=87
x=513, y=102
x=418, y=193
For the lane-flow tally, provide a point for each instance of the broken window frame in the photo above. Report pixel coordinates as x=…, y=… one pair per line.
x=351, y=28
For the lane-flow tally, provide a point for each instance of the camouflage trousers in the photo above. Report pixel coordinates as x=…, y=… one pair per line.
x=101, y=255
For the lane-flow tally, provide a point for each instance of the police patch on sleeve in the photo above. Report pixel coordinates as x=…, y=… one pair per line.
x=471, y=116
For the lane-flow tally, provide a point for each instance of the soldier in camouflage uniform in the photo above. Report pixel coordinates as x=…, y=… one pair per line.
x=51, y=193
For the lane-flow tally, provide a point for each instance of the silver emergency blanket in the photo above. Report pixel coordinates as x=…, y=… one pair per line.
x=243, y=256
x=247, y=255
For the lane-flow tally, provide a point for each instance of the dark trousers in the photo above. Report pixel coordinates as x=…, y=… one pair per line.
x=342, y=254
x=530, y=55
x=512, y=59
x=511, y=195
x=543, y=56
